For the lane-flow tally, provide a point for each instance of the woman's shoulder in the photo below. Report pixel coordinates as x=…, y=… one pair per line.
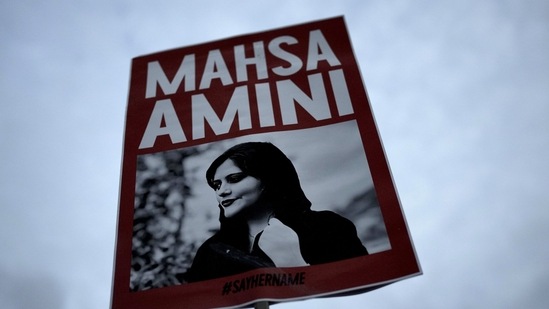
x=327, y=217
x=327, y=236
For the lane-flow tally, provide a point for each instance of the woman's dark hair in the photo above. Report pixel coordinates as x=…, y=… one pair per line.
x=267, y=163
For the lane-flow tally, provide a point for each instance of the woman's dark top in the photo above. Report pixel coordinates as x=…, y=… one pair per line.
x=223, y=255
x=324, y=237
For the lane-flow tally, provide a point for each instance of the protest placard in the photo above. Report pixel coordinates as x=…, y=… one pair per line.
x=253, y=171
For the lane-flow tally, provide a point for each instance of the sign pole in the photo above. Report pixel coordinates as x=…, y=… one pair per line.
x=262, y=305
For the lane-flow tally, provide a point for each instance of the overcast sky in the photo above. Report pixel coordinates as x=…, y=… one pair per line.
x=459, y=89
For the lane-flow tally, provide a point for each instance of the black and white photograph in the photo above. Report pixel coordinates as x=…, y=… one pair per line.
x=258, y=201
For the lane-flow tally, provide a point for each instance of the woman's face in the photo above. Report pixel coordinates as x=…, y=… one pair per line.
x=235, y=190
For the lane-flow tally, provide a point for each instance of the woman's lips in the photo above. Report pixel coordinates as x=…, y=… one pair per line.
x=227, y=203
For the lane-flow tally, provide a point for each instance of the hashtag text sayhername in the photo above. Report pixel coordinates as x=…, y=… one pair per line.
x=259, y=280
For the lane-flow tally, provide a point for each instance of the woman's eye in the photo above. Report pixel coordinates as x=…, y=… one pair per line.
x=235, y=178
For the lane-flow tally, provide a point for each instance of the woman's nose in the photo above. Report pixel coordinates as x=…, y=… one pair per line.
x=224, y=190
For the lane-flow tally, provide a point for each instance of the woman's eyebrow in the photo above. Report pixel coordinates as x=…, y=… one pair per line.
x=235, y=174
x=228, y=175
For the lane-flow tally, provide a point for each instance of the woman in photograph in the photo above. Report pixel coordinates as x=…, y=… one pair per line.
x=253, y=183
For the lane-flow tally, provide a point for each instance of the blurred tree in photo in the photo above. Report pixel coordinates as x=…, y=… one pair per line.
x=158, y=253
